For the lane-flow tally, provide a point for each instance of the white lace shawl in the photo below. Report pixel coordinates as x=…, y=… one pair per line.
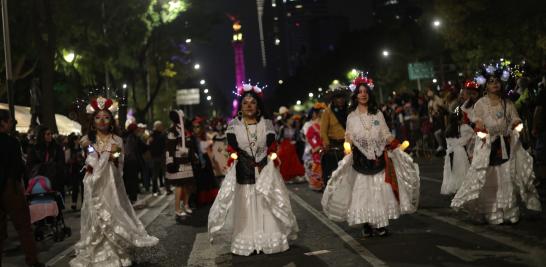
x=262, y=129
x=368, y=132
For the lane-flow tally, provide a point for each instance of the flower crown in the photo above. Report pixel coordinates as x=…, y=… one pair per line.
x=361, y=79
x=470, y=84
x=501, y=69
x=101, y=103
x=247, y=87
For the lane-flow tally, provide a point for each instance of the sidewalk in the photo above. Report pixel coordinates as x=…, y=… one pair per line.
x=47, y=248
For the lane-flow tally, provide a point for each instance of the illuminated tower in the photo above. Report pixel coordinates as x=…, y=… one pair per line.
x=238, y=45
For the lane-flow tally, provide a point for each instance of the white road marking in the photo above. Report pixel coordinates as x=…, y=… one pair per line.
x=318, y=252
x=70, y=249
x=424, y=178
x=472, y=255
x=501, y=238
x=357, y=247
x=202, y=253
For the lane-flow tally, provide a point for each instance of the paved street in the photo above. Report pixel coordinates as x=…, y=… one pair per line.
x=434, y=236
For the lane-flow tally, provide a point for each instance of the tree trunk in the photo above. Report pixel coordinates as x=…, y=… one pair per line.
x=45, y=38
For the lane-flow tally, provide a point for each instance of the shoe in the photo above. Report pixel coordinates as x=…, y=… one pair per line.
x=180, y=213
x=188, y=210
x=382, y=231
x=156, y=194
x=367, y=230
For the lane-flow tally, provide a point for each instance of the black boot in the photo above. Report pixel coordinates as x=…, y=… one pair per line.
x=367, y=230
x=382, y=231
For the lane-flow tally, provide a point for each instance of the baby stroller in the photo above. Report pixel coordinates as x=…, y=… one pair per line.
x=46, y=207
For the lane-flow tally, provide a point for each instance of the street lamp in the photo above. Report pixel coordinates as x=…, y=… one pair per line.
x=69, y=56
x=281, y=81
x=197, y=66
x=206, y=91
x=209, y=98
x=434, y=80
x=320, y=89
x=436, y=23
x=298, y=102
x=311, y=95
x=201, y=82
x=188, y=40
x=124, y=86
x=386, y=53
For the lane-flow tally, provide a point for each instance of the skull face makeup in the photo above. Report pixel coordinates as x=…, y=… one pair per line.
x=102, y=120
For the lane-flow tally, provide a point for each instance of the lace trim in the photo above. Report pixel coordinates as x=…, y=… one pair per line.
x=268, y=243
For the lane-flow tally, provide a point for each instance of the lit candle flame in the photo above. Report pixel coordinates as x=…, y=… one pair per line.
x=482, y=135
x=234, y=156
x=404, y=145
x=347, y=147
x=519, y=128
x=273, y=156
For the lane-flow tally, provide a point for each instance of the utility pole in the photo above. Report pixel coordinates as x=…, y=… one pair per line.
x=7, y=53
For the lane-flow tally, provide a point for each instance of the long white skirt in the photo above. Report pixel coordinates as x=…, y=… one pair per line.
x=254, y=225
x=372, y=201
x=454, y=174
x=498, y=200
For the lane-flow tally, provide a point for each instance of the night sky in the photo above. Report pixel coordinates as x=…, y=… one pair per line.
x=215, y=54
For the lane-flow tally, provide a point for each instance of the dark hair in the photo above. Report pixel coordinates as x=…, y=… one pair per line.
x=92, y=133
x=173, y=115
x=5, y=115
x=372, y=104
x=453, y=123
x=40, y=137
x=259, y=101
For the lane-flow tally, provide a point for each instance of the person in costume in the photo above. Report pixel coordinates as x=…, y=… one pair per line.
x=252, y=211
x=456, y=162
x=376, y=181
x=109, y=225
x=292, y=169
x=180, y=159
x=500, y=166
x=315, y=143
x=207, y=188
x=219, y=154
x=332, y=129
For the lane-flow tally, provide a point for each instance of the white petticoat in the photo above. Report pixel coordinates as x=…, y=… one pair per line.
x=357, y=198
x=492, y=190
x=254, y=217
x=454, y=174
x=372, y=201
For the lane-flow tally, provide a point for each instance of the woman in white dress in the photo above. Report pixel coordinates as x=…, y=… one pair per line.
x=456, y=161
x=500, y=166
x=252, y=211
x=109, y=225
x=372, y=184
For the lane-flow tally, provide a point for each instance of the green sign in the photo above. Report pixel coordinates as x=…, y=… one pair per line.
x=420, y=70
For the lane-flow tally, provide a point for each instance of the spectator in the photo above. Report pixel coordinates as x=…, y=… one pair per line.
x=12, y=198
x=47, y=158
x=157, y=151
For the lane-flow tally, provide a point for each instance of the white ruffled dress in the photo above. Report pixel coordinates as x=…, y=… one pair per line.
x=358, y=198
x=493, y=191
x=109, y=225
x=253, y=217
x=455, y=173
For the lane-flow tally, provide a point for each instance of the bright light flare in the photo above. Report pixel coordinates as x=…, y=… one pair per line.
x=404, y=145
x=482, y=135
x=519, y=128
x=347, y=147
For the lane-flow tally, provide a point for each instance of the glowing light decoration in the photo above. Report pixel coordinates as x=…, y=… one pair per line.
x=404, y=145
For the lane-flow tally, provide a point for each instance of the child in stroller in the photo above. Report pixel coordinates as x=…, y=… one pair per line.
x=46, y=207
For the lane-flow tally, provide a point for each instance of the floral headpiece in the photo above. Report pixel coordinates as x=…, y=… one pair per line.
x=471, y=85
x=247, y=87
x=501, y=69
x=361, y=79
x=101, y=103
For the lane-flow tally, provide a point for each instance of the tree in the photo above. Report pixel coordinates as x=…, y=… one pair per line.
x=479, y=31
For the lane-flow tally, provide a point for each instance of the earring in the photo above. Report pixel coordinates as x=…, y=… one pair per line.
x=240, y=113
x=259, y=113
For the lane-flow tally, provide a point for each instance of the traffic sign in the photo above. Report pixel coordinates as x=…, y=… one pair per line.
x=420, y=70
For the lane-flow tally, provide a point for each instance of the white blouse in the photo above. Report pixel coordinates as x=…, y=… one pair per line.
x=499, y=118
x=368, y=132
x=252, y=138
